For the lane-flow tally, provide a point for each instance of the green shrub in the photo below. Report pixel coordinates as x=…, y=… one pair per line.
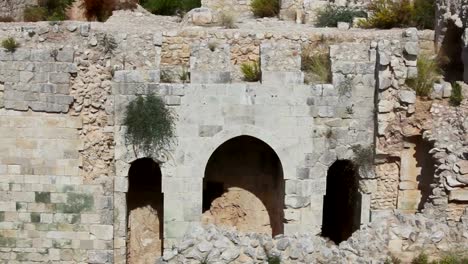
x=10, y=44
x=99, y=10
x=51, y=10
x=35, y=13
x=386, y=14
x=429, y=72
x=392, y=260
x=170, y=7
x=274, y=260
x=456, y=97
x=331, y=15
x=423, y=15
x=265, y=8
x=422, y=258
x=150, y=124
x=251, y=71
x=316, y=65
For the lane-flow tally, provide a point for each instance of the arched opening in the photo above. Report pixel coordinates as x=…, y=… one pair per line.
x=342, y=203
x=244, y=187
x=144, y=212
x=450, y=54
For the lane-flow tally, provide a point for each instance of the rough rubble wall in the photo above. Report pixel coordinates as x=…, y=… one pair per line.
x=293, y=10
x=396, y=104
x=14, y=8
x=245, y=45
x=402, y=236
x=449, y=134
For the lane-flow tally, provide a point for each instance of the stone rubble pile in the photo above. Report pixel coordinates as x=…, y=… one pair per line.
x=400, y=235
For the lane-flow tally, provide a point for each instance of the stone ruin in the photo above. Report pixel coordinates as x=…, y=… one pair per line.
x=275, y=168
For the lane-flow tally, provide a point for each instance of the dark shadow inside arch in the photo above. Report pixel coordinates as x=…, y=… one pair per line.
x=450, y=53
x=249, y=164
x=145, y=197
x=342, y=202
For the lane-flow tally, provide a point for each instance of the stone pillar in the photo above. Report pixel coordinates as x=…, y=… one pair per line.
x=210, y=62
x=281, y=63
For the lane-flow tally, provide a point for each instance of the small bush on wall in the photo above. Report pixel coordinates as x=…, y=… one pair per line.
x=386, y=14
x=428, y=73
x=316, y=65
x=150, y=124
x=10, y=44
x=251, y=71
x=265, y=8
x=456, y=97
x=170, y=7
x=331, y=15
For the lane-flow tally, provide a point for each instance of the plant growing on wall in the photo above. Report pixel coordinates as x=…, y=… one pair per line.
x=331, y=15
x=428, y=73
x=150, y=124
x=316, y=65
x=10, y=44
x=456, y=97
x=251, y=71
x=265, y=8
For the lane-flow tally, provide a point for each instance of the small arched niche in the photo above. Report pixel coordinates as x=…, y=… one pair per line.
x=144, y=212
x=342, y=202
x=244, y=187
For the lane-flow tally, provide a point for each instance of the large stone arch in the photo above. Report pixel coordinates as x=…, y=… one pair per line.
x=244, y=187
x=286, y=153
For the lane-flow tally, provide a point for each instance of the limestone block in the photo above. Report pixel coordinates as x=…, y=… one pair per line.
x=343, y=26
x=210, y=77
x=208, y=130
x=407, y=96
x=295, y=201
x=460, y=195
x=412, y=48
x=447, y=92
x=281, y=56
x=271, y=77
x=104, y=232
x=66, y=55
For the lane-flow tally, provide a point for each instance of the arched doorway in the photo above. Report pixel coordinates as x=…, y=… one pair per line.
x=144, y=212
x=244, y=187
x=450, y=53
x=342, y=203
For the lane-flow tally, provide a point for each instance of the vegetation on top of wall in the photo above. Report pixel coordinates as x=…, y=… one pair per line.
x=265, y=8
x=456, y=97
x=101, y=10
x=429, y=72
x=170, y=7
x=51, y=10
x=251, y=71
x=330, y=15
x=386, y=14
x=150, y=124
x=316, y=65
x=423, y=258
x=10, y=44
x=423, y=14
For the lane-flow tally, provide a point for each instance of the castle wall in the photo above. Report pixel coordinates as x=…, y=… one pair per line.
x=64, y=162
